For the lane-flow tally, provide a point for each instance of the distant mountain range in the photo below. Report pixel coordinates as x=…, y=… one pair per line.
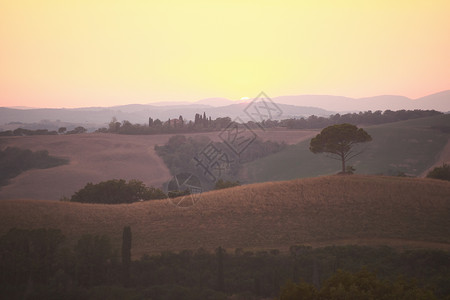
x=291, y=107
x=439, y=101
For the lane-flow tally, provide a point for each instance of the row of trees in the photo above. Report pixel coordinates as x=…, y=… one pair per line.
x=176, y=125
x=27, y=132
x=361, y=118
x=202, y=122
x=40, y=264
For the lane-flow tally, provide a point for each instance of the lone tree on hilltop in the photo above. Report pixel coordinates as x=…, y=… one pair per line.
x=339, y=141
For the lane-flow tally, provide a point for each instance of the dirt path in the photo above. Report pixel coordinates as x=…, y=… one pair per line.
x=444, y=158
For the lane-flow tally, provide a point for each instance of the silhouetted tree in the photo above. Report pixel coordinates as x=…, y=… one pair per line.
x=61, y=130
x=157, y=123
x=339, y=141
x=78, y=130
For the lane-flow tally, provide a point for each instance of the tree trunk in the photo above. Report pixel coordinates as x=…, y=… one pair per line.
x=343, y=163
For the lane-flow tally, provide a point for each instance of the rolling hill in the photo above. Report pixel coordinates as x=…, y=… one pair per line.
x=99, y=157
x=92, y=158
x=401, y=212
x=410, y=147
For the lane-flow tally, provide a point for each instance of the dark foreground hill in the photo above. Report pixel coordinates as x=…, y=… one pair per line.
x=395, y=211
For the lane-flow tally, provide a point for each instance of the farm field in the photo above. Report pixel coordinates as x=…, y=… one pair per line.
x=98, y=157
x=410, y=147
x=328, y=210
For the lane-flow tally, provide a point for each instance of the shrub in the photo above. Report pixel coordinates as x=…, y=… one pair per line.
x=442, y=173
x=224, y=184
x=117, y=191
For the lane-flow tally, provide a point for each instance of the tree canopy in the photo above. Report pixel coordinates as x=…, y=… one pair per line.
x=339, y=141
x=442, y=172
x=117, y=191
x=14, y=161
x=360, y=285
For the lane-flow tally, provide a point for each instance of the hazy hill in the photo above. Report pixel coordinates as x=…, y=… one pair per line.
x=409, y=147
x=438, y=101
x=218, y=101
x=441, y=101
x=336, y=103
x=402, y=212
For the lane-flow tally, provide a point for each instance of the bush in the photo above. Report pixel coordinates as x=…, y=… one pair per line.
x=360, y=285
x=442, y=173
x=117, y=191
x=224, y=184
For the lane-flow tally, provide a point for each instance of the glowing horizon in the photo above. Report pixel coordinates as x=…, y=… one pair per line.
x=96, y=53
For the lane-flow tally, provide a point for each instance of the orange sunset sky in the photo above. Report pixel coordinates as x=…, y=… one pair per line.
x=103, y=53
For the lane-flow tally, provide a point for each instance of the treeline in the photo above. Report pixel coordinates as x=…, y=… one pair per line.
x=24, y=132
x=39, y=264
x=201, y=123
x=27, y=132
x=14, y=161
x=361, y=118
x=204, y=123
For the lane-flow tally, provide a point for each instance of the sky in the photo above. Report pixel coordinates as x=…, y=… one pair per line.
x=103, y=53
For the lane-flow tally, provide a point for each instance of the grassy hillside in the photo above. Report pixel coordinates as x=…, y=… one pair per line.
x=317, y=211
x=92, y=158
x=410, y=147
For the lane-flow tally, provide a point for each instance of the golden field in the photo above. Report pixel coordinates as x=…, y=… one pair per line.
x=329, y=210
